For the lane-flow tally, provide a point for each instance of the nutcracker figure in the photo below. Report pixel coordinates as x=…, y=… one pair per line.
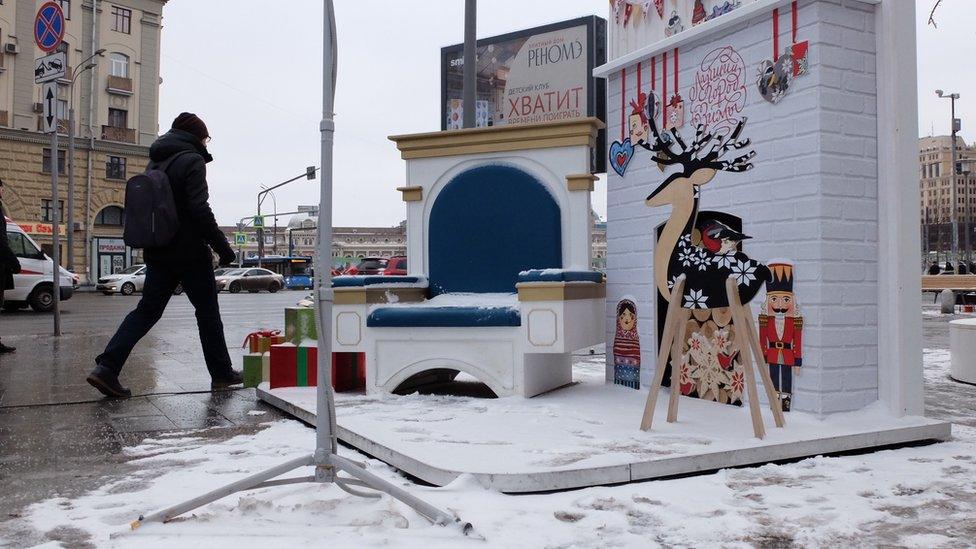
x=781, y=330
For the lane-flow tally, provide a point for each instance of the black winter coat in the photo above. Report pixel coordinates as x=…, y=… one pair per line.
x=9, y=264
x=188, y=177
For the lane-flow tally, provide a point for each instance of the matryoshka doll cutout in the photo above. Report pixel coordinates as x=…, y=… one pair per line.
x=626, y=346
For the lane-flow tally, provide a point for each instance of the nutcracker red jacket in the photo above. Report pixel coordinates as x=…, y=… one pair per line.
x=790, y=343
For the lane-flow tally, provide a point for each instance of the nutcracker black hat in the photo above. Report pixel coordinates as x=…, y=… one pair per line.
x=781, y=279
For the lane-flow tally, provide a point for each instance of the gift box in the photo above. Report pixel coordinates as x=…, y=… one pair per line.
x=348, y=371
x=254, y=369
x=300, y=324
x=307, y=364
x=296, y=366
x=261, y=341
x=284, y=361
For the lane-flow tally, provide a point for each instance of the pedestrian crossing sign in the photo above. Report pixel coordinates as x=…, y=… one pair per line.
x=240, y=238
x=258, y=222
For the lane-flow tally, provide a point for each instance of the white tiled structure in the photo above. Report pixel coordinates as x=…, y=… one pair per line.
x=812, y=197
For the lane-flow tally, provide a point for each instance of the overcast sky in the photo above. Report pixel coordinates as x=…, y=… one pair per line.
x=253, y=71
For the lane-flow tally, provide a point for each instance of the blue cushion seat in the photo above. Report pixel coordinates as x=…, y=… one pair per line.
x=559, y=275
x=356, y=281
x=443, y=317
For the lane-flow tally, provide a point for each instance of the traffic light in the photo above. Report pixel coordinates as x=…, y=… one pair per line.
x=310, y=173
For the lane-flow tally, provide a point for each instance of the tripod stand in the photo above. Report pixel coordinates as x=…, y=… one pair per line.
x=325, y=461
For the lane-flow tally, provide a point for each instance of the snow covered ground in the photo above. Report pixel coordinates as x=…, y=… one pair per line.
x=914, y=497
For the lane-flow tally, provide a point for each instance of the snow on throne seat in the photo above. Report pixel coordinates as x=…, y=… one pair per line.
x=498, y=240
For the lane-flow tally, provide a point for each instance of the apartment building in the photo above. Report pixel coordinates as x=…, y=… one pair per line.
x=116, y=114
x=350, y=244
x=935, y=185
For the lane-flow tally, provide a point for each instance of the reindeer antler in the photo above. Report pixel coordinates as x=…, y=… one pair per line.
x=688, y=157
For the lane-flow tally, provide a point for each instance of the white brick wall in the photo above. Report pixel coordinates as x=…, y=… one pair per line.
x=812, y=196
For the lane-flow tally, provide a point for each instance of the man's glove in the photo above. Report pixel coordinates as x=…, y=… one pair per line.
x=226, y=257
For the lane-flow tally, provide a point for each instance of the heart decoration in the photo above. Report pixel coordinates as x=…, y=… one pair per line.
x=620, y=155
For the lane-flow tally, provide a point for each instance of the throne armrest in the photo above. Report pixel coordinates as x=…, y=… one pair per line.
x=560, y=275
x=562, y=310
x=371, y=289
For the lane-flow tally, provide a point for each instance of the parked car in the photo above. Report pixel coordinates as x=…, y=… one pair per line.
x=252, y=280
x=368, y=266
x=34, y=285
x=127, y=282
x=397, y=265
x=220, y=271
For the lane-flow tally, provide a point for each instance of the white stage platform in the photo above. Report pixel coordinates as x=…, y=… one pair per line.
x=584, y=435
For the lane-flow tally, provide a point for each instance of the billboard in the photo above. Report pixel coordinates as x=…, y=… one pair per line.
x=542, y=74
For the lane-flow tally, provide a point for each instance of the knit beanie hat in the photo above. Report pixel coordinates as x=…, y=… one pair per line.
x=191, y=123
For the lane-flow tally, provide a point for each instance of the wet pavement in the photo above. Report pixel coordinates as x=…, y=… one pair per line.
x=58, y=436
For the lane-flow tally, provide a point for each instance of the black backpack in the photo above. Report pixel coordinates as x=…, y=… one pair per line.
x=150, y=220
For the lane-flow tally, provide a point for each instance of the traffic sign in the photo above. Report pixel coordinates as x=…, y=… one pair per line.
x=240, y=238
x=258, y=222
x=49, y=27
x=50, y=67
x=49, y=97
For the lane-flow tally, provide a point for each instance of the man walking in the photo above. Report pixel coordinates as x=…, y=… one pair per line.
x=187, y=260
x=9, y=264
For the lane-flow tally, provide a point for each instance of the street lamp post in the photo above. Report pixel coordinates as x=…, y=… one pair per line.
x=71, y=155
x=954, y=217
x=309, y=175
x=274, y=232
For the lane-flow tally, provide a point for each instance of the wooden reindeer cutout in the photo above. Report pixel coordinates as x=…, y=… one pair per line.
x=698, y=263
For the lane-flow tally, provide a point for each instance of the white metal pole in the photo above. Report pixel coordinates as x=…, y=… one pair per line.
x=326, y=443
x=55, y=225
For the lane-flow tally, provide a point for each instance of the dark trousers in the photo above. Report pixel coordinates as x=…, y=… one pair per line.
x=198, y=282
x=782, y=377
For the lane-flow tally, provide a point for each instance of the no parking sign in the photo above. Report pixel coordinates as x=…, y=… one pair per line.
x=49, y=27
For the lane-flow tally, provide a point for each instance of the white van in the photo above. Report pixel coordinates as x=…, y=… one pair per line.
x=34, y=285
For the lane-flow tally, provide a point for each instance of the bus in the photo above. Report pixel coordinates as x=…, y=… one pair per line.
x=297, y=270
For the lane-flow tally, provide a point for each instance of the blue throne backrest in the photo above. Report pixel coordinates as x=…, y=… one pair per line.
x=487, y=225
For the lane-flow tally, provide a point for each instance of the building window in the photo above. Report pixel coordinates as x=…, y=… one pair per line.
x=115, y=167
x=119, y=65
x=121, y=19
x=118, y=118
x=46, y=161
x=47, y=215
x=66, y=8
x=110, y=215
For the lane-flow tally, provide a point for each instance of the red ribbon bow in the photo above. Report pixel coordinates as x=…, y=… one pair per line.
x=640, y=105
x=258, y=334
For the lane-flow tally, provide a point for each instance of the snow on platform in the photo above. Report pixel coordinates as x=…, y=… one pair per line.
x=584, y=435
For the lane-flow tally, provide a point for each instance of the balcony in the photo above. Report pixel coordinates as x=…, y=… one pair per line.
x=121, y=135
x=119, y=85
x=62, y=125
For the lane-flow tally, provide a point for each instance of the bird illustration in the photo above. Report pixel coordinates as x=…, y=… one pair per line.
x=719, y=238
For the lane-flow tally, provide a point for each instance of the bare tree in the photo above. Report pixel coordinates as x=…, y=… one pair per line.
x=932, y=13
